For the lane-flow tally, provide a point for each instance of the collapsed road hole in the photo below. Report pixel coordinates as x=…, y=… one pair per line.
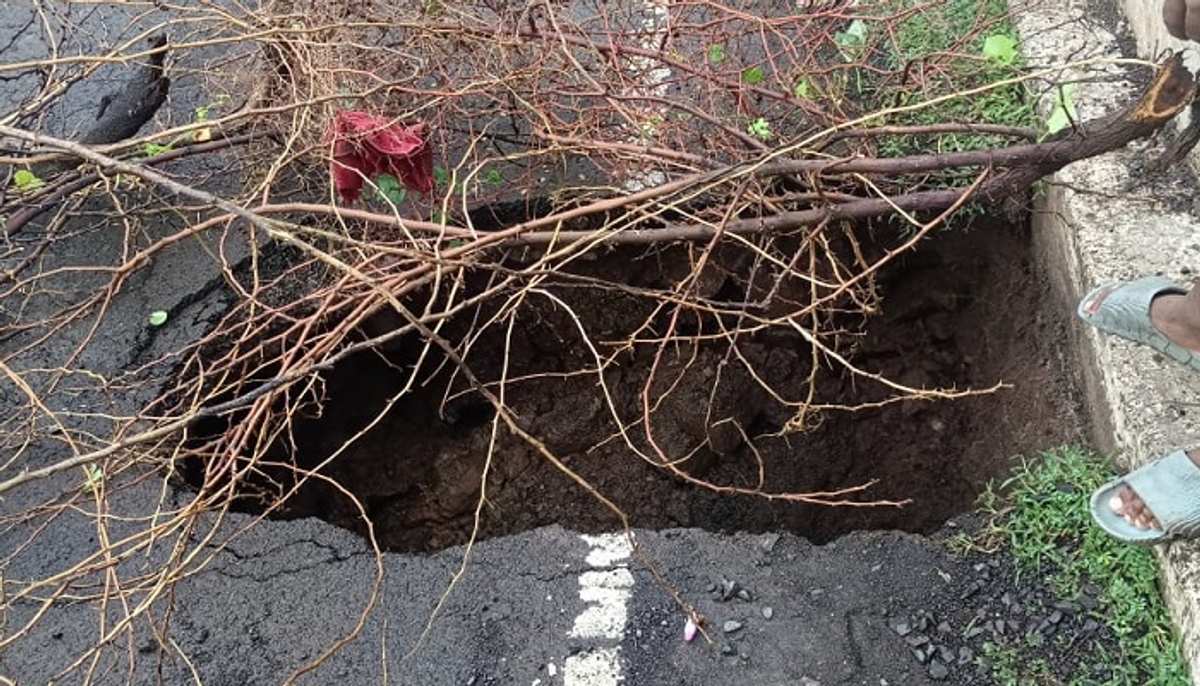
x=965, y=309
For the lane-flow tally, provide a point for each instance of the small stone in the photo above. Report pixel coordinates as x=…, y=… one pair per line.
x=917, y=640
x=921, y=654
x=938, y=670
x=728, y=649
x=973, y=631
x=768, y=612
x=744, y=595
x=944, y=628
x=946, y=654
x=767, y=541
x=1055, y=617
x=965, y=655
x=805, y=681
x=899, y=626
x=732, y=625
x=729, y=589
x=1066, y=607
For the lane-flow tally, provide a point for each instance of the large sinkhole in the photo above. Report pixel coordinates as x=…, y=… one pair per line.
x=964, y=309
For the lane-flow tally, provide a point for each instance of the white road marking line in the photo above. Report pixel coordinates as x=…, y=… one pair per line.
x=607, y=549
x=654, y=20
x=598, y=668
x=606, y=590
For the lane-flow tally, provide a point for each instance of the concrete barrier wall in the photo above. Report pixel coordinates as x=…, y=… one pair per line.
x=1103, y=220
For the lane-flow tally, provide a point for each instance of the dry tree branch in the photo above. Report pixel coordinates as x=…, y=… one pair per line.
x=590, y=164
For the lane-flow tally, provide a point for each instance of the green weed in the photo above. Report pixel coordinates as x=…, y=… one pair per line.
x=1041, y=514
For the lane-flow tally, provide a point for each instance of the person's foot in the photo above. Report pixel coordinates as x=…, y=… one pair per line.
x=1153, y=311
x=1129, y=505
x=1177, y=317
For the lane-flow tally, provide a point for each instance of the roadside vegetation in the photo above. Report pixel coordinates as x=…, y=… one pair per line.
x=1040, y=515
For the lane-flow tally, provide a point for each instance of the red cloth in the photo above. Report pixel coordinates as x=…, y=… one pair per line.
x=365, y=146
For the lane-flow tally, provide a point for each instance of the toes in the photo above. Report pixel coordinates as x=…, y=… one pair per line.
x=1130, y=506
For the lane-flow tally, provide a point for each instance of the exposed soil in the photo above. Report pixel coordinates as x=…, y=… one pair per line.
x=965, y=310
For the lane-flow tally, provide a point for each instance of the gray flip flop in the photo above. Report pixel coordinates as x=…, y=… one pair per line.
x=1170, y=487
x=1123, y=309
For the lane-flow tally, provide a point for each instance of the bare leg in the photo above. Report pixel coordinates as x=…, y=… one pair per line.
x=1178, y=318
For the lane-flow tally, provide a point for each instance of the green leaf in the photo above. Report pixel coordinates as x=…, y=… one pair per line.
x=753, y=75
x=494, y=177
x=1063, y=113
x=761, y=129
x=857, y=30
x=27, y=180
x=158, y=318
x=716, y=53
x=389, y=188
x=1000, y=48
x=802, y=89
x=852, y=40
x=92, y=476
x=152, y=149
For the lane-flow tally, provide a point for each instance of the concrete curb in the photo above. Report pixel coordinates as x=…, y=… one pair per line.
x=1099, y=221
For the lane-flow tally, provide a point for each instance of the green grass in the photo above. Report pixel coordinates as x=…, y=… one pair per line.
x=1041, y=514
x=945, y=44
x=941, y=48
x=1011, y=668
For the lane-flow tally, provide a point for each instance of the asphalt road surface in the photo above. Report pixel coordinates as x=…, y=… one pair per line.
x=544, y=607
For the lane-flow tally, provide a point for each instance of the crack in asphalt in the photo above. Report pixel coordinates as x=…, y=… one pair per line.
x=281, y=552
